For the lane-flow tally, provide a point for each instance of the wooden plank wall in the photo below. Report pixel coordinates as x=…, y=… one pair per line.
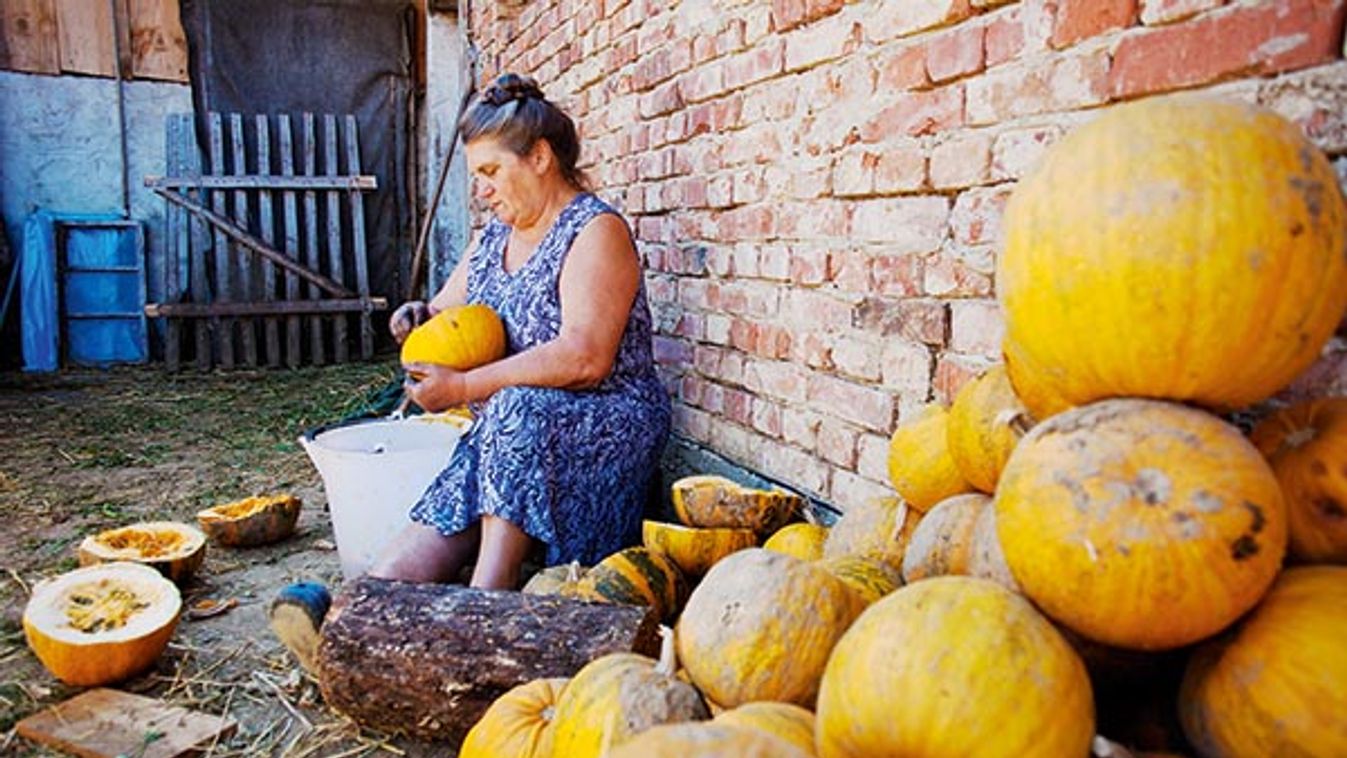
x=76, y=37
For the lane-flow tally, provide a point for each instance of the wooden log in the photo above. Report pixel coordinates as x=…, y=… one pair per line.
x=428, y=659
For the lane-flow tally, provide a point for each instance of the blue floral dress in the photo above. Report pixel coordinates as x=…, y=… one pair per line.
x=569, y=467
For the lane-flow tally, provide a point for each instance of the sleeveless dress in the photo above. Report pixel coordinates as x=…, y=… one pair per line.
x=569, y=467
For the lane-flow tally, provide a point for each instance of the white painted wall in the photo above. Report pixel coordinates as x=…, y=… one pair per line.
x=447, y=75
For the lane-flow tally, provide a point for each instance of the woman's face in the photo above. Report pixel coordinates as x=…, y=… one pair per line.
x=510, y=185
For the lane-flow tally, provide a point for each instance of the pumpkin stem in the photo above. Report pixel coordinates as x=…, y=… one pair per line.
x=668, y=656
x=1018, y=421
x=573, y=572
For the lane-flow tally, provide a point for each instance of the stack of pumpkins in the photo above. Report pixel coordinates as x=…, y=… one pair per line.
x=1077, y=512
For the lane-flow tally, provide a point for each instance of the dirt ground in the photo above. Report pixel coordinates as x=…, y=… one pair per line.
x=90, y=450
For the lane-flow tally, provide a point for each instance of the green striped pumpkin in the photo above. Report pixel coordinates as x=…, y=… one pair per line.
x=635, y=576
x=869, y=575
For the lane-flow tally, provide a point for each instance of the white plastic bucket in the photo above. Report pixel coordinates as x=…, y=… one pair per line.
x=373, y=472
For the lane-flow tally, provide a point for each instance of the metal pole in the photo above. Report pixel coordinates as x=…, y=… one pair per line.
x=121, y=106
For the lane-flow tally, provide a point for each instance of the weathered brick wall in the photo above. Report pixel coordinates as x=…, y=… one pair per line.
x=817, y=185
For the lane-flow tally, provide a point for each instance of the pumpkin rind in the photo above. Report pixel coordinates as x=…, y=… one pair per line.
x=461, y=337
x=879, y=526
x=173, y=549
x=1273, y=685
x=555, y=580
x=748, y=632
x=942, y=544
x=954, y=666
x=706, y=500
x=518, y=724
x=987, y=560
x=635, y=576
x=252, y=521
x=1180, y=247
x=1306, y=444
x=100, y=655
x=694, y=550
x=870, y=576
x=802, y=540
x=618, y=696
x=986, y=422
x=711, y=740
x=1140, y=524
x=921, y=468
x=786, y=721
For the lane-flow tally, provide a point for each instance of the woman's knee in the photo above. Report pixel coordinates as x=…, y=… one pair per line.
x=421, y=554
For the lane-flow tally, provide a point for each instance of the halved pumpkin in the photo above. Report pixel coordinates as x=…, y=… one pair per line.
x=101, y=624
x=801, y=539
x=695, y=550
x=634, y=576
x=252, y=521
x=706, y=500
x=174, y=550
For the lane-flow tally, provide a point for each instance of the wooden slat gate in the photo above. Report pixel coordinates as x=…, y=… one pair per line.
x=266, y=250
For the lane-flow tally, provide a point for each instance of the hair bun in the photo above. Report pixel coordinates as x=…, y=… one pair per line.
x=509, y=87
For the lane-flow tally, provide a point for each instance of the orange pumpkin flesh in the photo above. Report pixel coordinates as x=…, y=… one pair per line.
x=694, y=550
x=175, y=550
x=1307, y=447
x=103, y=623
x=252, y=521
x=1140, y=524
x=710, y=501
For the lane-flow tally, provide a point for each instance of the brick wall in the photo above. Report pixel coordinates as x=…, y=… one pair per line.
x=817, y=185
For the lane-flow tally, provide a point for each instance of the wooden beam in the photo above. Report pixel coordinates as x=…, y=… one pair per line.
x=86, y=37
x=252, y=243
x=31, y=41
x=158, y=43
x=258, y=181
x=265, y=308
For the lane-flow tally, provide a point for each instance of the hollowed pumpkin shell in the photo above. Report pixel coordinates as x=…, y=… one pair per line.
x=695, y=550
x=174, y=550
x=461, y=337
x=102, y=623
x=252, y=521
x=706, y=500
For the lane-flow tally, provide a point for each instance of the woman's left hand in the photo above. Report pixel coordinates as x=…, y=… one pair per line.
x=435, y=387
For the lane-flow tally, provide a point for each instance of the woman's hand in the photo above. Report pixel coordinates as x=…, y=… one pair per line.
x=434, y=387
x=407, y=317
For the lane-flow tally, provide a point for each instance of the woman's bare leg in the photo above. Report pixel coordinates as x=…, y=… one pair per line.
x=504, y=547
x=421, y=554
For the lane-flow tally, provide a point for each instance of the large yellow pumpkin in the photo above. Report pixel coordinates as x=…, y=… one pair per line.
x=634, y=576
x=986, y=422
x=954, y=666
x=461, y=337
x=711, y=740
x=1275, y=685
x=707, y=500
x=175, y=550
x=1140, y=524
x=879, y=526
x=760, y=627
x=942, y=543
x=920, y=465
x=618, y=696
x=101, y=623
x=784, y=720
x=1307, y=447
x=694, y=550
x=1179, y=247
x=518, y=724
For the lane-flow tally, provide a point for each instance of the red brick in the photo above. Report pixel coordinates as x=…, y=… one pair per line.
x=896, y=275
x=854, y=172
x=781, y=380
x=793, y=466
x=733, y=441
x=961, y=161
x=903, y=68
x=822, y=42
x=955, y=53
x=1016, y=152
x=976, y=218
x=800, y=427
x=1243, y=39
x=900, y=18
x=913, y=320
x=815, y=309
x=861, y=405
x=742, y=334
x=953, y=371
x=692, y=423
x=976, y=328
x=699, y=84
x=906, y=367
x=903, y=224
x=754, y=65
x=1154, y=12
x=1004, y=39
x=808, y=266
x=1066, y=83
x=774, y=262
x=815, y=219
x=872, y=456
x=901, y=168
x=766, y=417
x=947, y=276
x=813, y=350
x=849, y=270
x=856, y=358
x=837, y=443
x=1081, y=19
x=915, y=113
x=739, y=406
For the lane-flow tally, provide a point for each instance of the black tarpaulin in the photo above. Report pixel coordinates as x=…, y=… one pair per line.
x=331, y=56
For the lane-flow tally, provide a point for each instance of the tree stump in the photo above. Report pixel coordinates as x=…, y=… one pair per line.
x=427, y=659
